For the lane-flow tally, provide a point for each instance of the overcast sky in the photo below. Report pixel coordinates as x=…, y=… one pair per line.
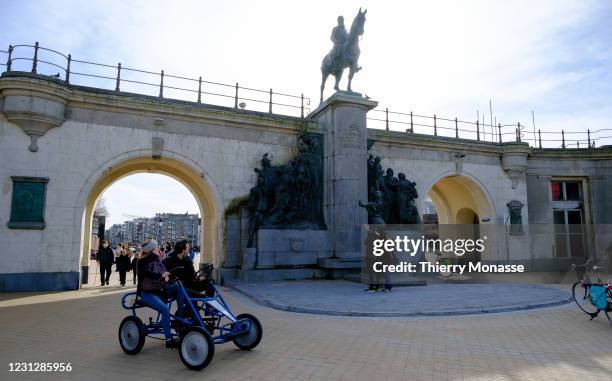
x=443, y=57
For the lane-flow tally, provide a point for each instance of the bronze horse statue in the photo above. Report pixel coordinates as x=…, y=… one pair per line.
x=347, y=55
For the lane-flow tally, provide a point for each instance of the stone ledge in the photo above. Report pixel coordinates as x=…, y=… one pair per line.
x=340, y=263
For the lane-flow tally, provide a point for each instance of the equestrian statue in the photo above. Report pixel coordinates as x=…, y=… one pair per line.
x=345, y=53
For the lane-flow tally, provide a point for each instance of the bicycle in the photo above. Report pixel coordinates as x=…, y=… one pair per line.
x=592, y=297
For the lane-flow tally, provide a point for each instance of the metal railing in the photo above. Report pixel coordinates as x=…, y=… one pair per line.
x=486, y=132
x=40, y=60
x=124, y=79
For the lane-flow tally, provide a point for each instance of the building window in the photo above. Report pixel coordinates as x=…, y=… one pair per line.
x=568, y=217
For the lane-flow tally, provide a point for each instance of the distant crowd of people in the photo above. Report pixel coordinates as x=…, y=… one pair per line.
x=125, y=258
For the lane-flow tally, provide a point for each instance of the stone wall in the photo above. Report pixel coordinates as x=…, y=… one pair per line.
x=101, y=131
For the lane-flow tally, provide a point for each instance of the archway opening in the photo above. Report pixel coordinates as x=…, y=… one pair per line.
x=460, y=204
x=210, y=249
x=459, y=200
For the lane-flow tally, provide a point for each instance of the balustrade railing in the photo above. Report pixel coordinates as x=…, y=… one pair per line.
x=435, y=125
x=119, y=78
x=40, y=60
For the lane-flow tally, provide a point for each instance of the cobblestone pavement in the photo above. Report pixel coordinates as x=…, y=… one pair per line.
x=557, y=343
x=339, y=297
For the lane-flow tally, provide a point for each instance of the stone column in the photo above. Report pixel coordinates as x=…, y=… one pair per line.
x=343, y=118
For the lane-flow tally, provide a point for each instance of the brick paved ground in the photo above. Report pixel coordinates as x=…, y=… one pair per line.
x=80, y=327
x=339, y=297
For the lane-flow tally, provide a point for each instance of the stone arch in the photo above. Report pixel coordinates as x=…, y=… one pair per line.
x=450, y=193
x=467, y=216
x=174, y=165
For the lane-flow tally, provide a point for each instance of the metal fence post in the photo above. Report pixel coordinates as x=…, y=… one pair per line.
x=478, y=130
x=435, y=126
x=456, y=129
x=540, y=137
x=411, y=124
x=270, y=108
x=302, y=105
x=387, y=119
x=118, y=77
x=589, y=138
x=518, y=132
x=200, y=90
x=9, y=61
x=236, y=97
x=499, y=130
x=35, y=60
x=68, y=69
x=161, y=85
x=562, y=139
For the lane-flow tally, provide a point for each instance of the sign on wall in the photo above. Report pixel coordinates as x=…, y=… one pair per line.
x=28, y=202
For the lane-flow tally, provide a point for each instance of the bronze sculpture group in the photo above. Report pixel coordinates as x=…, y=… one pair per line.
x=289, y=196
x=390, y=198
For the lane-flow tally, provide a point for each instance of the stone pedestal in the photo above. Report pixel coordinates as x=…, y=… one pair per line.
x=343, y=118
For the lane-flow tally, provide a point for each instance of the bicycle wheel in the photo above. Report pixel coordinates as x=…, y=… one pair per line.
x=580, y=294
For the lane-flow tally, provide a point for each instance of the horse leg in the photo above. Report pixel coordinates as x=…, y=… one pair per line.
x=324, y=79
x=338, y=75
x=350, y=77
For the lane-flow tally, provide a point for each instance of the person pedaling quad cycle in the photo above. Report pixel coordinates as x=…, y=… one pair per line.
x=202, y=321
x=592, y=296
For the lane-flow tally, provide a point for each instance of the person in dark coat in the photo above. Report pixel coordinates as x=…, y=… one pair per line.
x=123, y=265
x=179, y=259
x=106, y=257
x=153, y=288
x=134, y=264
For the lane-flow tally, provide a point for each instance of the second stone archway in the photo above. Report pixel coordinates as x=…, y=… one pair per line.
x=459, y=199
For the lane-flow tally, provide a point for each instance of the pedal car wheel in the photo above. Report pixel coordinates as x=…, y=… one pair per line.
x=196, y=348
x=253, y=337
x=131, y=335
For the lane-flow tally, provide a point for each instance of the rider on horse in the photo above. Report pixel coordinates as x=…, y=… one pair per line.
x=339, y=36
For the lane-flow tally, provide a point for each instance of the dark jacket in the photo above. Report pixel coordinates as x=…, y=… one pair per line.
x=186, y=274
x=106, y=255
x=123, y=263
x=144, y=272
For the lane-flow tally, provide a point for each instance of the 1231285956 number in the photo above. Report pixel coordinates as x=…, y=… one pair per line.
x=40, y=367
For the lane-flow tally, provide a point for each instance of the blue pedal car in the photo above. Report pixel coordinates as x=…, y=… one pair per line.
x=209, y=321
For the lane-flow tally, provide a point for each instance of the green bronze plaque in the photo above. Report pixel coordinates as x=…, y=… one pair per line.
x=28, y=203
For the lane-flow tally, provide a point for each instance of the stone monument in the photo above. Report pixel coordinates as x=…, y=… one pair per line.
x=345, y=52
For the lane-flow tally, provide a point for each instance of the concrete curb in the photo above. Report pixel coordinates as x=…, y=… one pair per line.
x=456, y=312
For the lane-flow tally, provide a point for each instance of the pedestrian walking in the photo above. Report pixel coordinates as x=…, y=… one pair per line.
x=134, y=264
x=123, y=265
x=105, y=257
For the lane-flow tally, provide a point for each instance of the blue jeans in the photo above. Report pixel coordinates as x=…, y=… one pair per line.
x=155, y=302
